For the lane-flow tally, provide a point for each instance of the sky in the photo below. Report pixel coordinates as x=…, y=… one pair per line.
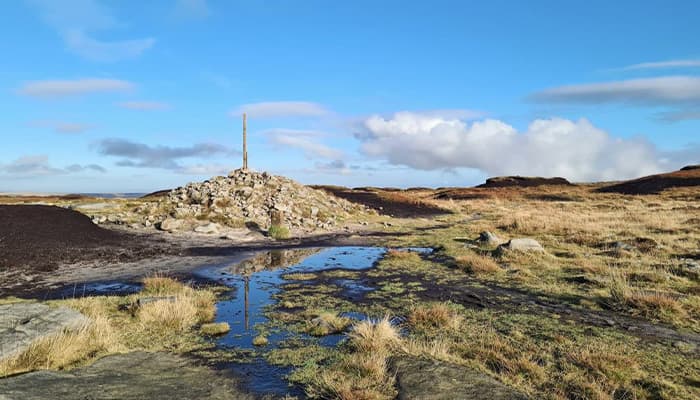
x=130, y=96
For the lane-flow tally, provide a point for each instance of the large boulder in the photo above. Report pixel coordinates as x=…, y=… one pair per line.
x=489, y=239
x=522, y=245
x=126, y=376
x=424, y=379
x=210, y=228
x=23, y=323
x=171, y=225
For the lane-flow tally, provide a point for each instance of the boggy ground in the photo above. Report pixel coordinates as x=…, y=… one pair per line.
x=610, y=310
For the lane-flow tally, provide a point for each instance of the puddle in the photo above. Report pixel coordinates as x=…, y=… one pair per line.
x=255, y=281
x=115, y=288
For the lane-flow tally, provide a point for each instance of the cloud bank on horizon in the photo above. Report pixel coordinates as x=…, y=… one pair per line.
x=576, y=150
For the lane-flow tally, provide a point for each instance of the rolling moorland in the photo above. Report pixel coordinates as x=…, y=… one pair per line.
x=254, y=286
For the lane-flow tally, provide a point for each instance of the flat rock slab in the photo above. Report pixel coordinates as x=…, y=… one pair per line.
x=125, y=376
x=423, y=379
x=23, y=323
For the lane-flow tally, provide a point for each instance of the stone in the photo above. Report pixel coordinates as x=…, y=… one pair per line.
x=209, y=228
x=489, y=238
x=170, y=225
x=23, y=323
x=689, y=268
x=521, y=244
x=424, y=379
x=129, y=376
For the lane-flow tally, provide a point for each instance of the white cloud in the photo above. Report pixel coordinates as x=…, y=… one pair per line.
x=192, y=9
x=576, y=150
x=63, y=88
x=647, y=91
x=273, y=109
x=76, y=22
x=144, y=105
x=687, y=63
x=307, y=141
x=38, y=165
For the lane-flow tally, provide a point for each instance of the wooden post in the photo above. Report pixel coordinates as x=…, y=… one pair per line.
x=245, y=144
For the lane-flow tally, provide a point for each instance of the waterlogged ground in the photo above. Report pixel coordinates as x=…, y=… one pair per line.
x=257, y=284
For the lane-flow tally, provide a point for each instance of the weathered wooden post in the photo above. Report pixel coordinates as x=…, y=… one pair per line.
x=245, y=144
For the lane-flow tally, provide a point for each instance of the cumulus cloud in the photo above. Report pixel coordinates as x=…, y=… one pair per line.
x=576, y=150
x=647, y=91
x=144, y=156
x=686, y=63
x=307, y=141
x=38, y=165
x=76, y=21
x=144, y=105
x=75, y=87
x=273, y=109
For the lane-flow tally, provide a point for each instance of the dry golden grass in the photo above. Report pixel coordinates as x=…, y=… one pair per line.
x=405, y=255
x=327, y=323
x=215, y=328
x=260, y=340
x=65, y=348
x=362, y=375
x=477, y=264
x=158, y=325
x=436, y=316
x=374, y=336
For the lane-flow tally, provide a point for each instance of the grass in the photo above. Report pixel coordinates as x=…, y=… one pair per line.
x=436, y=316
x=116, y=326
x=363, y=372
x=278, y=232
x=215, y=328
x=260, y=341
x=477, y=264
x=327, y=323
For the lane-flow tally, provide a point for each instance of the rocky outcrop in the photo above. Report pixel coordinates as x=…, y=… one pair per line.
x=125, y=376
x=242, y=199
x=420, y=378
x=21, y=324
x=522, y=181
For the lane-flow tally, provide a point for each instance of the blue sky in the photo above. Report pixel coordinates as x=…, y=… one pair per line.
x=126, y=96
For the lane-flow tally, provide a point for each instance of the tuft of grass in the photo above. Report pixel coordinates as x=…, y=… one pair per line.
x=215, y=328
x=436, y=316
x=161, y=286
x=651, y=303
x=260, y=340
x=278, y=232
x=363, y=374
x=477, y=264
x=374, y=336
x=327, y=323
x=65, y=348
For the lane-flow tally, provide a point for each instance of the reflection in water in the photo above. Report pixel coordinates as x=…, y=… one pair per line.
x=256, y=281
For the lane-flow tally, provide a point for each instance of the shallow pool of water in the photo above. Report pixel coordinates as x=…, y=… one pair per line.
x=256, y=280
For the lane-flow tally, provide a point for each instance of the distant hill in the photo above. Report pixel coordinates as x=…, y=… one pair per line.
x=653, y=184
x=522, y=181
